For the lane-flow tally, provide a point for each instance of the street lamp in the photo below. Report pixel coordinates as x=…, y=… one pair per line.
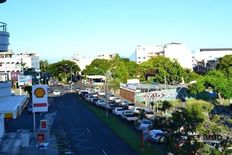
x=105, y=87
x=71, y=75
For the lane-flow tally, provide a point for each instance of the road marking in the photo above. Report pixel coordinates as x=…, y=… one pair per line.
x=88, y=130
x=104, y=152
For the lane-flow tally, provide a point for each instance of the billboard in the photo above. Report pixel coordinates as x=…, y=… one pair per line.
x=25, y=80
x=40, y=98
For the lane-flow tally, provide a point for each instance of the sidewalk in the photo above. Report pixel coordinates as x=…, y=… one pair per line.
x=12, y=143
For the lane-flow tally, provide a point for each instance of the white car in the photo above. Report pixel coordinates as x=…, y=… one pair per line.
x=101, y=93
x=56, y=92
x=124, y=102
x=117, y=100
x=111, y=97
x=130, y=105
x=144, y=125
x=137, y=110
x=149, y=114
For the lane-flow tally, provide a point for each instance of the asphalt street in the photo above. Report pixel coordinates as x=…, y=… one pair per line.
x=78, y=130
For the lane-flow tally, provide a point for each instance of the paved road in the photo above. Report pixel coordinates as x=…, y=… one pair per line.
x=80, y=131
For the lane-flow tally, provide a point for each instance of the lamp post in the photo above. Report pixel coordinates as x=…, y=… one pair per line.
x=71, y=75
x=105, y=87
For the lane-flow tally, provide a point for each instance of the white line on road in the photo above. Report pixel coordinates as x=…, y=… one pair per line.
x=88, y=130
x=104, y=152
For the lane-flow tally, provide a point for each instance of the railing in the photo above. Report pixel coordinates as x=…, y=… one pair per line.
x=4, y=78
x=3, y=26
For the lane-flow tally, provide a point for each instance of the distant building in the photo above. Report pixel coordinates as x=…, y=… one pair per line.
x=207, y=58
x=170, y=50
x=106, y=56
x=81, y=61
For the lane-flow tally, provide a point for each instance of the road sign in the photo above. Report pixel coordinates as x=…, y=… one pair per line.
x=43, y=124
x=40, y=98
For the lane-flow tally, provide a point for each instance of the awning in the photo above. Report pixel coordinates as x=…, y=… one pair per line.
x=10, y=104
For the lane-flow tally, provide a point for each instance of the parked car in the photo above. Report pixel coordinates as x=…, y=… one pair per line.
x=100, y=102
x=118, y=111
x=56, y=92
x=143, y=124
x=124, y=102
x=157, y=136
x=131, y=117
x=126, y=112
x=137, y=110
x=117, y=100
x=149, y=114
x=101, y=93
x=111, y=97
x=130, y=105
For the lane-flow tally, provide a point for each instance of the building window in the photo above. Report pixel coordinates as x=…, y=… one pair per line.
x=144, y=57
x=138, y=57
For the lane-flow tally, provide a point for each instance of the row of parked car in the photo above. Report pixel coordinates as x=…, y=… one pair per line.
x=126, y=110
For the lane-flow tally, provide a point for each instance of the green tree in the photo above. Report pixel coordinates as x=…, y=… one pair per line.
x=62, y=70
x=164, y=67
x=197, y=87
x=102, y=64
x=166, y=105
x=225, y=65
x=220, y=84
x=43, y=65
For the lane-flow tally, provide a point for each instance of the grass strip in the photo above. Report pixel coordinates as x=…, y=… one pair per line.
x=131, y=137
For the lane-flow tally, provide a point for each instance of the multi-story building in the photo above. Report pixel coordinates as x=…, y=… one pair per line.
x=171, y=50
x=13, y=64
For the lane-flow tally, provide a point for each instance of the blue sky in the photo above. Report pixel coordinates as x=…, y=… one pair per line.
x=56, y=29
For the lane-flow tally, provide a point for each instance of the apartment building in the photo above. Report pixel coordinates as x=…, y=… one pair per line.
x=13, y=64
x=171, y=50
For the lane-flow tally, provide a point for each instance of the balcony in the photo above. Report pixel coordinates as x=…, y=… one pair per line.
x=4, y=37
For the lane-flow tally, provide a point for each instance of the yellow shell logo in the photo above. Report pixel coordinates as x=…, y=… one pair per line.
x=39, y=92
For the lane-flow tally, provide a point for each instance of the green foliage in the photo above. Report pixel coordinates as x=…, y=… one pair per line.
x=102, y=64
x=166, y=105
x=43, y=65
x=225, y=65
x=197, y=87
x=218, y=81
x=62, y=69
x=165, y=68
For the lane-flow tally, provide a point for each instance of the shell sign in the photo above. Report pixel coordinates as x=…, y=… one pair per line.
x=39, y=92
x=40, y=98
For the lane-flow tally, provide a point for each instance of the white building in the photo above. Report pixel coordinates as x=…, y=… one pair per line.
x=106, y=56
x=10, y=62
x=206, y=54
x=176, y=51
x=81, y=61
